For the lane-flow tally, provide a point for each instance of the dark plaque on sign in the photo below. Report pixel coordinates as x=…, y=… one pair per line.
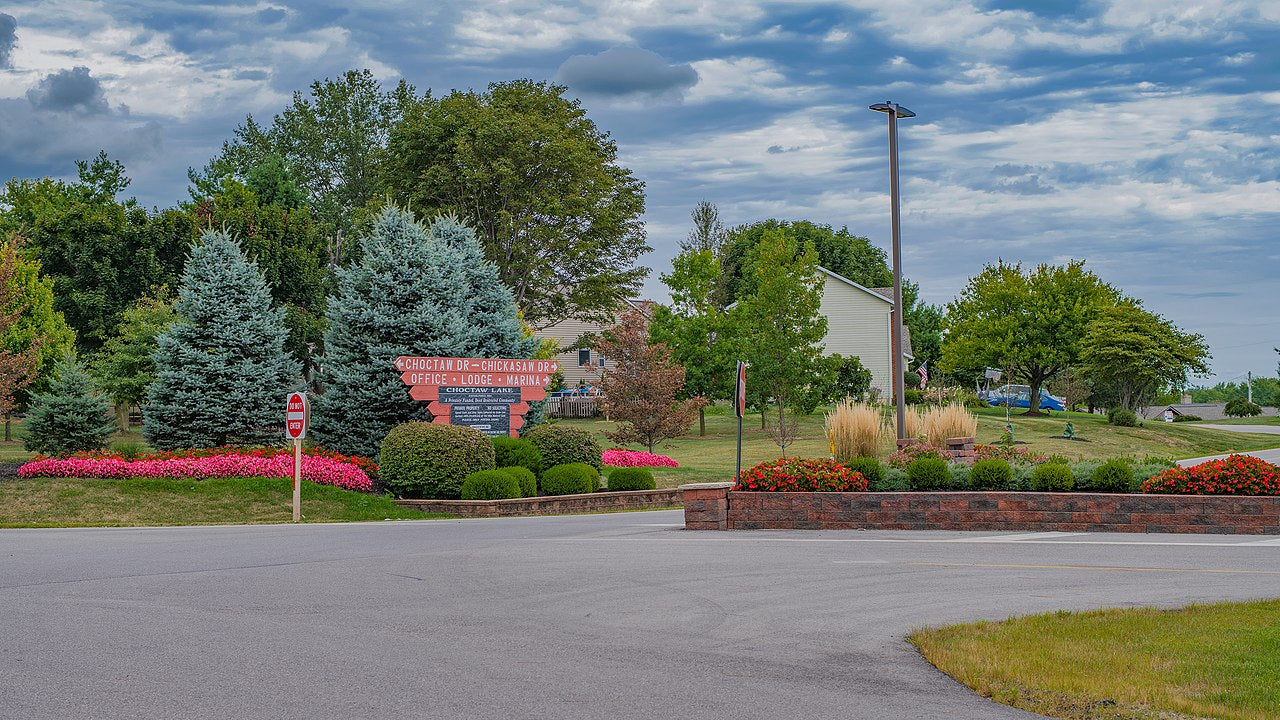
x=490, y=419
x=479, y=395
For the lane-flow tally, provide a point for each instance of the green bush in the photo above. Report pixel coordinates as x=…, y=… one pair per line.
x=1114, y=476
x=490, y=485
x=1241, y=407
x=893, y=480
x=528, y=481
x=631, y=478
x=928, y=473
x=1187, y=418
x=869, y=468
x=1082, y=472
x=991, y=474
x=1144, y=472
x=563, y=445
x=1122, y=418
x=1158, y=460
x=1052, y=477
x=960, y=476
x=509, y=452
x=913, y=397
x=570, y=479
x=427, y=460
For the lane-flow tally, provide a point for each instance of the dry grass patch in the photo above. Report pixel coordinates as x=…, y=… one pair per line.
x=949, y=421
x=855, y=430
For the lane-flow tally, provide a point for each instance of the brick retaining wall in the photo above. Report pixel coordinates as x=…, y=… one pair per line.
x=712, y=506
x=552, y=504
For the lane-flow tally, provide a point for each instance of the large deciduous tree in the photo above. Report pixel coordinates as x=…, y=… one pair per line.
x=778, y=329
x=126, y=366
x=32, y=334
x=641, y=391
x=839, y=251
x=417, y=291
x=693, y=327
x=1031, y=323
x=101, y=254
x=1140, y=353
x=329, y=139
x=541, y=185
x=221, y=369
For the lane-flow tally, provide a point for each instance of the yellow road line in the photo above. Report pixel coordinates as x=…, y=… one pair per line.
x=1099, y=567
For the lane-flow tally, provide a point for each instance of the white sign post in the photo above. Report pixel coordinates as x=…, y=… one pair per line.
x=296, y=416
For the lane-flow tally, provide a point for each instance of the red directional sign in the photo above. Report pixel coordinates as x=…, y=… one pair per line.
x=489, y=394
x=295, y=416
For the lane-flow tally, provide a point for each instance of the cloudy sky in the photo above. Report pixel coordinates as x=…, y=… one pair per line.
x=1140, y=135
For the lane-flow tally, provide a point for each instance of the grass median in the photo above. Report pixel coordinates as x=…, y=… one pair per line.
x=81, y=502
x=1204, y=661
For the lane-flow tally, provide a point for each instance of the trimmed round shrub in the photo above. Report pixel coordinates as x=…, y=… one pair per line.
x=570, y=479
x=426, y=460
x=631, y=478
x=991, y=474
x=528, y=481
x=928, y=473
x=490, y=485
x=510, y=452
x=869, y=468
x=1122, y=418
x=1052, y=477
x=564, y=445
x=1113, y=476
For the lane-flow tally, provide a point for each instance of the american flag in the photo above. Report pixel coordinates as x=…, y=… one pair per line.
x=924, y=376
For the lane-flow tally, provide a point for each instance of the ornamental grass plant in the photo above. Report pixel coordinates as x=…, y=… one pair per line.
x=855, y=430
x=948, y=421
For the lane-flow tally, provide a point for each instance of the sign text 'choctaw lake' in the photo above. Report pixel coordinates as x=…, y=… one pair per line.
x=489, y=394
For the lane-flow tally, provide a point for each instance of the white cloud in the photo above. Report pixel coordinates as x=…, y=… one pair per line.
x=744, y=78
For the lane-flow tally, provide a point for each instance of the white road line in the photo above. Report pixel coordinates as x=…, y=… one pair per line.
x=1018, y=538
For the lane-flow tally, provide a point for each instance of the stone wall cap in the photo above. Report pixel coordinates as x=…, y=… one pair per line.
x=708, y=486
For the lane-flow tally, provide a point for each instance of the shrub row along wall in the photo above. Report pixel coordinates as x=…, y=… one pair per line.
x=551, y=505
x=713, y=506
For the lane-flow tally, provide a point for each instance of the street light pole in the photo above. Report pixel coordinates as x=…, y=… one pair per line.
x=895, y=111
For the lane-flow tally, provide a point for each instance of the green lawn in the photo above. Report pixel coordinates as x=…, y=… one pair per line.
x=75, y=502
x=1205, y=661
x=711, y=458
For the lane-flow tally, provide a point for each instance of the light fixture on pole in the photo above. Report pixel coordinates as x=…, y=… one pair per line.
x=895, y=111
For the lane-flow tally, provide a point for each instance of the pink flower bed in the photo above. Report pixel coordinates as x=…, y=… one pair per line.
x=617, y=457
x=323, y=470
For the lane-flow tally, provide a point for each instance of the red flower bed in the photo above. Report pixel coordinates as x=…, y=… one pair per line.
x=1234, y=475
x=801, y=475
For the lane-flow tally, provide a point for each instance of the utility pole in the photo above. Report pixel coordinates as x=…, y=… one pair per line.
x=1250, y=391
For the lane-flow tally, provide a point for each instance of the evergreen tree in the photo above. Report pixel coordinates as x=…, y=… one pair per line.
x=72, y=416
x=221, y=369
x=417, y=292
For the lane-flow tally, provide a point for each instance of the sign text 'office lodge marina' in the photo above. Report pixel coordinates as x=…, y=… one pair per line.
x=491, y=395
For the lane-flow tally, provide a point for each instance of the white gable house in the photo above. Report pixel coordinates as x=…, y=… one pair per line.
x=860, y=323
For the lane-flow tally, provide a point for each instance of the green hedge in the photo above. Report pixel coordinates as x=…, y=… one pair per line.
x=928, y=473
x=490, y=485
x=631, y=478
x=427, y=460
x=1112, y=476
x=560, y=445
x=509, y=452
x=528, y=481
x=1052, y=477
x=570, y=479
x=991, y=474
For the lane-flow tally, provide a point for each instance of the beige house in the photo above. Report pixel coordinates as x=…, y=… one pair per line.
x=582, y=366
x=860, y=323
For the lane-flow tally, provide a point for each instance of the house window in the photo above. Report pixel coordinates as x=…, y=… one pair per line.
x=599, y=361
x=584, y=357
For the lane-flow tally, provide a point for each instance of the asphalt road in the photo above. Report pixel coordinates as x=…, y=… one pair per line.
x=599, y=616
x=1271, y=456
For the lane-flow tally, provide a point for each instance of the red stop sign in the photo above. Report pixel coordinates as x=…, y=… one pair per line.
x=295, y=416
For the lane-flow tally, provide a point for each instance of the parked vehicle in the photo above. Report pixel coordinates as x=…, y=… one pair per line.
x=1019, y=396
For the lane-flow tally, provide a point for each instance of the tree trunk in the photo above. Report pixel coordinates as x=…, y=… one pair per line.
x=1034, y=403
x=122, y=416
x=8, y=434
x=763, y=407
x=702, y=422
x=782, y=429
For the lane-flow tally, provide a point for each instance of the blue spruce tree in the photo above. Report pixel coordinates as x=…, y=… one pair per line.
x=71, y=416
x=418, y=291
x=221, y=370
